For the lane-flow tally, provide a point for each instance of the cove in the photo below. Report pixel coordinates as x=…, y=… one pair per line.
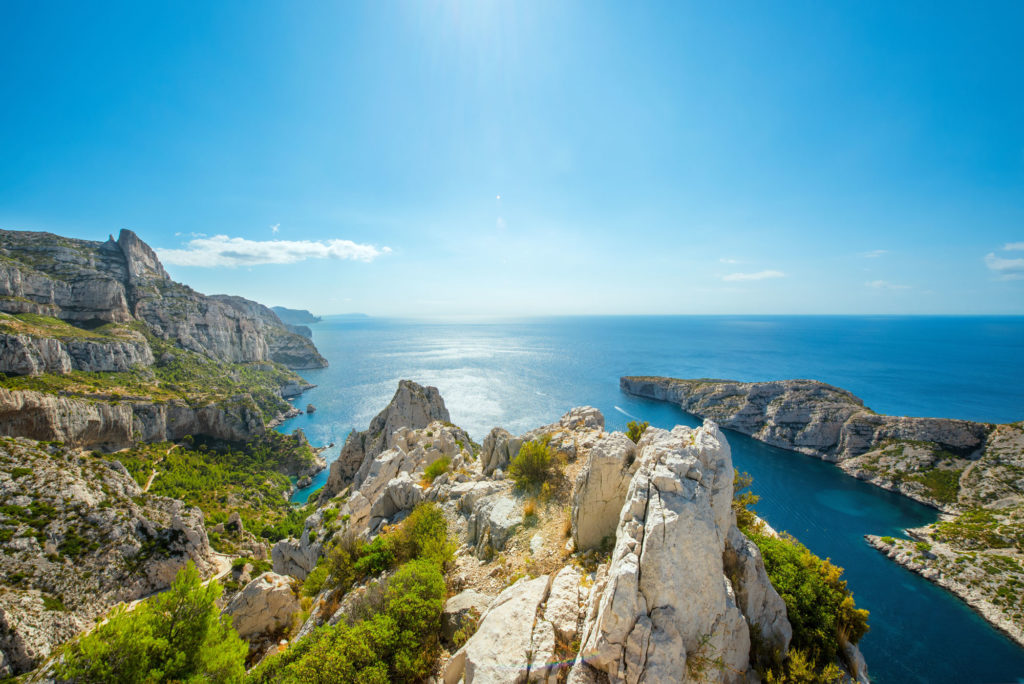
x=522, y=374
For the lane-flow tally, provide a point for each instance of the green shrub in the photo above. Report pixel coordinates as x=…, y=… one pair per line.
x=742, y=500
x=799, y=668
x=535, y=464
x=314, y=581
x=399, y=643
x=439, y=466
x=821, y=609
x=178, y=635
x=635, y=429
x=53, y=603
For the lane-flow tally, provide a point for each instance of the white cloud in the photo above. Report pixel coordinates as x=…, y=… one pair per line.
x=1005, y=269
x=885, y=285
x=275, y=228
x=760, y=275
x=728, y=261
x=1013, y=246
x=874, y=254
x=221, y=250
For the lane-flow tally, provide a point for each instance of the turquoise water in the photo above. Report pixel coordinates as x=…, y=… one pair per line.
x=521, y=374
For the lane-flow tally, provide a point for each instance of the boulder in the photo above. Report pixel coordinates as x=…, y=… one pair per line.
x=296, y=557
x=461, y=610
x=563, y=607
x=492, y=523
x=501, y=648
x=499, y=448
x=600, y=490
x=265, y=605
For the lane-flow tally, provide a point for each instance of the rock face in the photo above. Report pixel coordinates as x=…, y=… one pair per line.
x=805, y=415
x=121, y=281
x=296, y=558
x=85, y=423
x=502, y=648
x=666, y=611
x=265, y=605
x=77, y=528
x=499, y=448
x=601, y=488
x=413, y=406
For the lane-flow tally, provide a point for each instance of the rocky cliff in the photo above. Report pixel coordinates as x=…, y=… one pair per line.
x=78, y=536
x=895, y=452
x=121, y=281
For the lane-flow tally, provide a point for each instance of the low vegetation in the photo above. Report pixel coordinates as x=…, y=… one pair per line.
x=535, y=465
x=398, y=640
x=178, y=635
x=635, y=429
x=821, y=608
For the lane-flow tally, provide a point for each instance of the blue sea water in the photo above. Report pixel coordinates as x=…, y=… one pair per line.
x=524, y=373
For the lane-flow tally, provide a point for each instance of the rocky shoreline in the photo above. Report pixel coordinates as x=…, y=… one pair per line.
x=925, y=562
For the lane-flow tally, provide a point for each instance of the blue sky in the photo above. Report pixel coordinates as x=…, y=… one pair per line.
x=482, y=158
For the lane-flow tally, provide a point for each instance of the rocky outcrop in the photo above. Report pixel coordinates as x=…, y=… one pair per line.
x=121, y=281
x=77, y=536
x=461, y=612
x=413, y=406
x=499, y=448
x=503, y=647
x=264, y=606
x=294, y=316
x=296, y=557
x=805, y=415
x=666, y=611
x=27, y=355
x=600, y=490
x=116, y=425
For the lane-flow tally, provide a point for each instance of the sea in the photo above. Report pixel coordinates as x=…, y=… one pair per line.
x=523, y=373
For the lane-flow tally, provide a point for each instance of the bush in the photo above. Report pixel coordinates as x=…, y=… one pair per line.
x=821, y=609
x=636, y=429
x=535, y=464
x=314, y=581
x=400, y=642
x=178, y=635
x=439, y=466
x=742, y=500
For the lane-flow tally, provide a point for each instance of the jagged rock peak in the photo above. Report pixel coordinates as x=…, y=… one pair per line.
x=141, y=260
x=413, y=406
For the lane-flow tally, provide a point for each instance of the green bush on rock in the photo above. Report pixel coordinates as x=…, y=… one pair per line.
x=178, y=635
x=534, y=465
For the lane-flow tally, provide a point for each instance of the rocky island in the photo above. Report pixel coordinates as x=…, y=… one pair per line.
x=973, y=472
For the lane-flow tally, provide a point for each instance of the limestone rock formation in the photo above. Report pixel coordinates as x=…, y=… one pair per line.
x=110, y=425
x=77, y=530
x=499, y=448
x=413, y=406
x=805, y=415
x=121, y=281
x=265, y=605
x=667, y=609
x=296, y=558
x=600, y=489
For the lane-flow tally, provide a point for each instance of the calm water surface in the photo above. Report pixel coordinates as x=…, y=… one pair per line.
x=525, y=373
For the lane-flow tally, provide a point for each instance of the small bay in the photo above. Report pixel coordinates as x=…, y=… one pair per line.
x=520, y=374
